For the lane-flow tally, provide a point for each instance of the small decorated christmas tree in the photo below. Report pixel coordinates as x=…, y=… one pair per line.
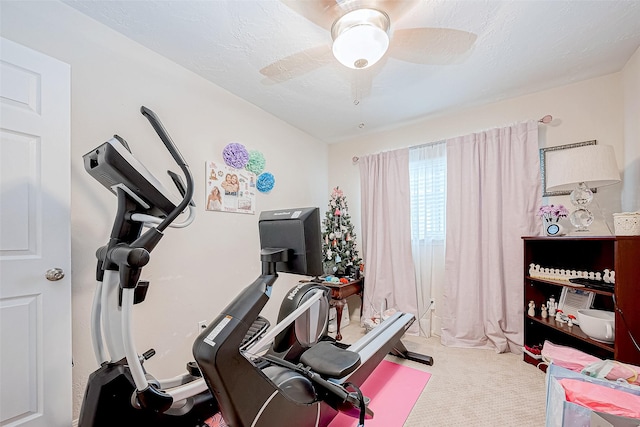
x=340, y=256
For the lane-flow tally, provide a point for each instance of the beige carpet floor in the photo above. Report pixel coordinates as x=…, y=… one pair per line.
x=471, y=387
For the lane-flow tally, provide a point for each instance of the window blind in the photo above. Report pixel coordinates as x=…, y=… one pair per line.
x=428, y=186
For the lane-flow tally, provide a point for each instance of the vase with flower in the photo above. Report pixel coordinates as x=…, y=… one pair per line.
x=551, y=215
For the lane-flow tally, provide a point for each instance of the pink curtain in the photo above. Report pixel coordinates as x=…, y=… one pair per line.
x=493, y=192
x=386, y=234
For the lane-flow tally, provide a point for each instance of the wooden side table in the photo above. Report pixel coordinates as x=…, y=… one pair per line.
x=339, y=294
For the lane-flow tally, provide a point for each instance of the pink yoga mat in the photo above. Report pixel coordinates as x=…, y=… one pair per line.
x=393, y=390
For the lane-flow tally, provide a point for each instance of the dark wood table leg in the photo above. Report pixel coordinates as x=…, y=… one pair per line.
x=339, y=304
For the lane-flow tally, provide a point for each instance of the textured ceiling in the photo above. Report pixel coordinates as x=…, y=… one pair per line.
x=521, y=47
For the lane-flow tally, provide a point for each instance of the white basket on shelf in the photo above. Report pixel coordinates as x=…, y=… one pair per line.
x=626, y=223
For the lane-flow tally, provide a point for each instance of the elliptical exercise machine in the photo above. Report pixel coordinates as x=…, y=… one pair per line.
x=121, y=392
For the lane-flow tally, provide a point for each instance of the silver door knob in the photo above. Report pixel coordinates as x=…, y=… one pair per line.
x=54, y=274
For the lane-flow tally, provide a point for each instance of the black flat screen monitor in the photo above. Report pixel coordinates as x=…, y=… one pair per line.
x=296, y=230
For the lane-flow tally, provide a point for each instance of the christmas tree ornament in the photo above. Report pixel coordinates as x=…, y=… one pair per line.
x=338, y=259
x=332, y=236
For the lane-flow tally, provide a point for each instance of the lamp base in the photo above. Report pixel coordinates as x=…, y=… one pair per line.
x=581, y=218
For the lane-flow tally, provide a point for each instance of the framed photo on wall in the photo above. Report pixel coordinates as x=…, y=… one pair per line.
x=229, y=189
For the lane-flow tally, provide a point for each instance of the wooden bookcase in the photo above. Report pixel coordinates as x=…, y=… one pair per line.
x=618, y=253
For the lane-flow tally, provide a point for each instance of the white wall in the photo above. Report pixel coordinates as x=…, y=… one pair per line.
x=631, y=85
x=582, y=111
x=195, y=271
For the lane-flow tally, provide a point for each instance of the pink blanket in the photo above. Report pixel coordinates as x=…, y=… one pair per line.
x=576, y=360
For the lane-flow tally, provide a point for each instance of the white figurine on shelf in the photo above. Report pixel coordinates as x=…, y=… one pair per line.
x=551, y=306
x=532, y=270
x=543, y=311
x=569, y=322
x=598, y=276
x=532, y=309
x=559, y=316
x=605, y=276
x=612, y=277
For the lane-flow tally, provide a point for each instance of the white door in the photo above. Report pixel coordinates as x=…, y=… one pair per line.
x=35, y=312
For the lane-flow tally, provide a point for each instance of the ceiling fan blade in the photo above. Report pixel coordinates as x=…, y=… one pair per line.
x=325, y=12
x=396, y=9
x=431, y=45
x=321, y=12
x=296, y=65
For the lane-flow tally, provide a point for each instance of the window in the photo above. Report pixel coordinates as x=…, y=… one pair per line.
x=428, y=186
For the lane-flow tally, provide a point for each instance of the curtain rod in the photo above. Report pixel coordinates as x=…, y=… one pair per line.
x=544, y=120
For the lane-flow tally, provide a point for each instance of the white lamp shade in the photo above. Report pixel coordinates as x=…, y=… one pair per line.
x=360, y=46
x=595, y=165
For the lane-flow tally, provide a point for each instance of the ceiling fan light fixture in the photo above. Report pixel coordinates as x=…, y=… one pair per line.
x=360, y=38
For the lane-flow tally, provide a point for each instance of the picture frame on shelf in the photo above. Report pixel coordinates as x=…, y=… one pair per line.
x=572, y=300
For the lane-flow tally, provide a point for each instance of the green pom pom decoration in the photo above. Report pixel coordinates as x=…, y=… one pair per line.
x=256, y=162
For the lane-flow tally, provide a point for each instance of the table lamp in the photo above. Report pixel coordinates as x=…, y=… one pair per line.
x=580, y=169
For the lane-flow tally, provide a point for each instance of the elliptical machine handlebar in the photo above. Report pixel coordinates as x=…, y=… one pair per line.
x=164, y=136
x=148, y=396
x=175, y=153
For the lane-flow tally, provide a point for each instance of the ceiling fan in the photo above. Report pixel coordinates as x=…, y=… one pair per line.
x=362, y=33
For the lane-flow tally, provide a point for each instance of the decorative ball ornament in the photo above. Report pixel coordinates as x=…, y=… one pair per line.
x=235, y=155
x=256, y=162
x=265, y=182
x=332, y=236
